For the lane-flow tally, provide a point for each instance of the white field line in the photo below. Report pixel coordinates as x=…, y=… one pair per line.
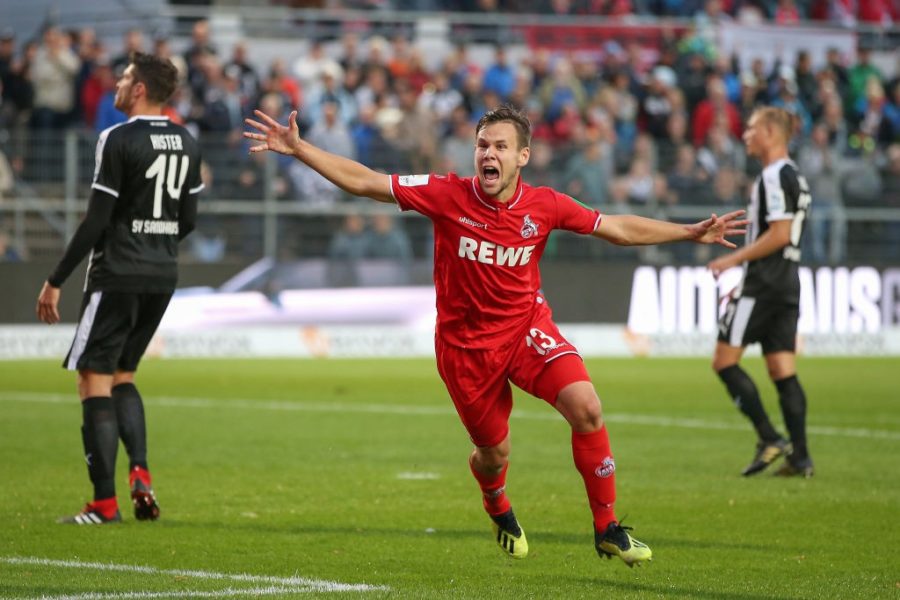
x=276, y=585
x=397, y=409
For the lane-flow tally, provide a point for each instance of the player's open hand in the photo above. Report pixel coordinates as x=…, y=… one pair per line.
x=47, y=304
x=275, y=137
x=716, y=230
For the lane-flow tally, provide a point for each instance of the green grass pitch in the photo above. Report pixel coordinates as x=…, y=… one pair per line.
x=348, y=479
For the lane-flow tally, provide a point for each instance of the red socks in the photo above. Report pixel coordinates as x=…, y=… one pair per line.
x=594, y=461
x=493, y=488
x=108, y=507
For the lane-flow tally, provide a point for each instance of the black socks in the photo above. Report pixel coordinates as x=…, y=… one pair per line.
x=100, y=435
x=132, y=428
x=793, y=409
x=746, y=397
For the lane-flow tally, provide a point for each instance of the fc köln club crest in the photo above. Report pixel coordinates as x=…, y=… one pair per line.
x=529, y=227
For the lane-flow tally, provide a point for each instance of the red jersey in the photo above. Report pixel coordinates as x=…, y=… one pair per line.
x=486, y=252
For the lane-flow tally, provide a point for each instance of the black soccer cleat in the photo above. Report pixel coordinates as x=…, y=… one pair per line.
x=616, y=541
x=90, y=515
x=796, y=468
x=142, y=497
x=766, y=454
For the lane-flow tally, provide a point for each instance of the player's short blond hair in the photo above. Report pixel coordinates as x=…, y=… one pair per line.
x=779, y=118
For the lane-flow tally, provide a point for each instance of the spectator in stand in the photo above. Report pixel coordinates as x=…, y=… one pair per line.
x=197, y=56
x=8, y=252
x=416, y=135
x=349, y=242
x=329, y=133
x=869, y=109
x=640, y=187
x=623, y=107
x=589, y=173
x=374, y=89
x=280, y=82
x=456, y=148
x=350, y=56
x=398, y=65
x=500, y=77
x=222, y=107
x=788, y=100
x=53, y=73
x=715, y=106
x=248, y=78
x=656, y=106
x=562, y=90
x=473, y=95
x=439, y=98
x=376, y=57
x=98, y=95
x=371, y=148
x=807, y=83
x=890, y=123
x=726, y=69
x=418, y=75
x=787, y=13
x=667, y=148
x=89, y=50
x=824, y=169
x=386, y=240
x=163, y=49
x=890, y=191
x=309, y=67
x=859, y=75
x=721, y=150
x=687, y=180
x=132, y=41
x=330, y=88
x=693, y=76
x=833, y=120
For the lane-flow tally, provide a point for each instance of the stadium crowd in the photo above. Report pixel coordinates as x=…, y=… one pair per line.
x=624, y=128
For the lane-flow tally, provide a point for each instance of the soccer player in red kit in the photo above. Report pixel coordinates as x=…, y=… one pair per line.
x=494, y=326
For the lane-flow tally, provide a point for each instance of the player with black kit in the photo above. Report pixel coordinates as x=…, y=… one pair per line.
x=143, y=202
x=765, y=307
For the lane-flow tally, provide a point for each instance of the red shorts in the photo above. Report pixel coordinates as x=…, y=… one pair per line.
x=542, y=363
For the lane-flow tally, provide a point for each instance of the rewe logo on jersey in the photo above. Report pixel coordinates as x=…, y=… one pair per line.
x=529, y=227
x=490, y=253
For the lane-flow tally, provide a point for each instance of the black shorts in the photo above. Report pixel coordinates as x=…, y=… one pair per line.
x=114, y=330
x=749, y=320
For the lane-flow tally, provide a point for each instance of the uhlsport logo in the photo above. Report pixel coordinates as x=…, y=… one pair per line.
x=606, y=468
x=529, y=227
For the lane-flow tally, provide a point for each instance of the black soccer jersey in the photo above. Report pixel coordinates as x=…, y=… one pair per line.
x=779, y=193
x=151, y=167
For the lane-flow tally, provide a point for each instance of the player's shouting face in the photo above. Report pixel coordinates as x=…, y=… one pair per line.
x=498, y=159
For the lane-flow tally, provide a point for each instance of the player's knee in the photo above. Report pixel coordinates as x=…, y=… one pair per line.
x=586, y=414
x=491, y=458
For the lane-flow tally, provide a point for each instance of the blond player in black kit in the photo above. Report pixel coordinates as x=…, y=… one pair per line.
x=765, y=306
x=143, y=203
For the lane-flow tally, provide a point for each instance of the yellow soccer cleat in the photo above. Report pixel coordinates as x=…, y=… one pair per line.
x=615, y=541
x=766, y=454
x=509, y=535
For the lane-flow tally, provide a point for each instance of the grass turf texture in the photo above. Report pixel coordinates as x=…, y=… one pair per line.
x=355, y=472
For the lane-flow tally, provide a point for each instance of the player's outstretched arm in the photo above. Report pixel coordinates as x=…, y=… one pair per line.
x=632, y=230
x=349, y=175
x=773, y=239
